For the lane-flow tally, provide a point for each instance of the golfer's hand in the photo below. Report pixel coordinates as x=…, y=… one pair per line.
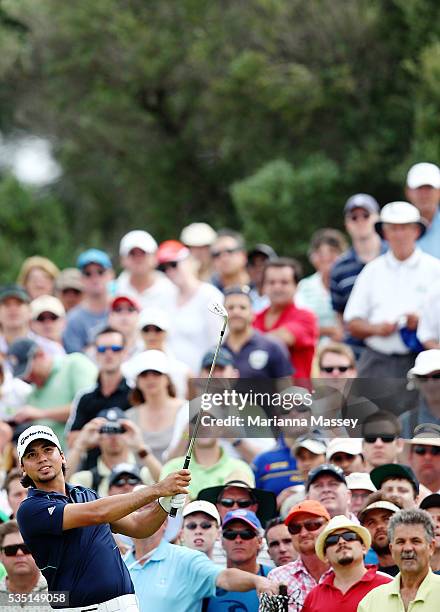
x=174, y=483
x=176, y=501
x=263, y=585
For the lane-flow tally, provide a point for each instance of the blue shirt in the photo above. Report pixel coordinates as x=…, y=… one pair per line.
x=235, y=601
x=174, y=579
x=276, y=469
x=84, y=561
x=261, y=357
x=430, y=241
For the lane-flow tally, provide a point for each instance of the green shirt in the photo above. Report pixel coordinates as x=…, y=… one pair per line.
x=69, y=374
x=387, y=597
x=201, y=477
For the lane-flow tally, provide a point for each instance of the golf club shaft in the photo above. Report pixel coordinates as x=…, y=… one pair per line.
x=192, y=441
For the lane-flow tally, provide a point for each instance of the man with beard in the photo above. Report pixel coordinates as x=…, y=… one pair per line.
x=432, y=506
x=343, y=544
x=416, y=587
x=375, y=517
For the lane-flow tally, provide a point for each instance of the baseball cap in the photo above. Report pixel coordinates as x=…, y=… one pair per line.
x=431, y=501
x=423, y=173
x=262, y=249
x=400, y=213
x=360, y=480
x=69, y=278
x=171, y=250
x=314, y=444
x=378, y=505
x=153, y=316
x=137, y=239
x=325, y=468
x=47, y=303
x=351, y=446
x=224, y=358
x=340, y=522
x=118, y=299
x=118, y=470
x=246, y=516
x=393, y=470
x=152, y=360
x=425, y=363
x=112, y=414
x=20, y=355
x=35, y=432
x=197, y=235
x=95, y=256
x=14, y=291
x=308, y=506
x=200, y=505
x=361, y=200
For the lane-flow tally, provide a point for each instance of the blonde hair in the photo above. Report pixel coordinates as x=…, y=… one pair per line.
x=37, y=262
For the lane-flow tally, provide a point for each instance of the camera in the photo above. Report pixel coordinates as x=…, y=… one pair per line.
x=112, y=428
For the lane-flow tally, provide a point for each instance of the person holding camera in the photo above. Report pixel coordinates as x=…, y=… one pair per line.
x=119, y=441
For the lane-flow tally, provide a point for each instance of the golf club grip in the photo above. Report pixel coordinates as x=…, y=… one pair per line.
x=173, y=511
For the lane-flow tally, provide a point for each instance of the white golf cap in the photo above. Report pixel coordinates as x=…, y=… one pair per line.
x=202, y=506
x=360, y=480
x=197, y=235
x=137, y=239
x=152, y=360
x=153, y=316
x=379, y=505
x=336, y=523
x=351, y=446
x=425, y=363
x=423, y=174
x=47, y=303
x=35, y=432
x=317, y=447
x=400, y=213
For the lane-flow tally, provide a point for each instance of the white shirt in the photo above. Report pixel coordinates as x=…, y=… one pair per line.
x=387, y=289
x=161, y=294
x=429, y=323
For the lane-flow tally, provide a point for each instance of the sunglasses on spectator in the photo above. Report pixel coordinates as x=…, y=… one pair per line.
x=115, y=348
x=205, y=525
x=241, y=503
x=231, y=251
x=124, y=481
x=386, y=438
x=276, y=543
x=356, y=216
x=146, y=372
x=347, y=536
x=330, y=369
x=423, y=450
x=98, y=272
x=433, y=376
x=309, y=525
x=152, y=328
x=245, y=534
x=71, y=290
x=47, y=316
x=340, y=457
x=12, y=549
x=124, y=309
x=163, y=267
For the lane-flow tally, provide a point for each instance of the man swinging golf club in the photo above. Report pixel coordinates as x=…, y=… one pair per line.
x=69, y=530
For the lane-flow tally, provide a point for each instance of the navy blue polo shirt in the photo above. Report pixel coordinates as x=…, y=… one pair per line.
x=261, y=357
x=275, y=470
x=84, y=561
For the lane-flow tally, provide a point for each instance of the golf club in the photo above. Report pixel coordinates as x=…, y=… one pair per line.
x=220, y=311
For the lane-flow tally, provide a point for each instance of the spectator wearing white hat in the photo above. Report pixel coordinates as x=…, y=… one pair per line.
x=360, y=486
x=48, y=318
x=346, y=453
x=424, y=455
x=423, y=190
x=199, y=237
x=139, y=278
x=309, y=451
x=200, y=527
x=388, y=295
x=425, y=377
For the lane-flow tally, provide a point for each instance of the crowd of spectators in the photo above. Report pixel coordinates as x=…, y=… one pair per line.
x=112, y=362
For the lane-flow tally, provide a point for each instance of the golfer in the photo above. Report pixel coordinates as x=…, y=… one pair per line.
x=69, y=530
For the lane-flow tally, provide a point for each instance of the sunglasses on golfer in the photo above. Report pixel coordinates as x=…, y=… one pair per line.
x=12, y=549
x=241, y=503
x=309, y=525
x=245, y=534
x=205, y=525
x=347, y=536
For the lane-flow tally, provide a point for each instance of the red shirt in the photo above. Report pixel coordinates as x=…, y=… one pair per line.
x=327, y=597
x=304, y=326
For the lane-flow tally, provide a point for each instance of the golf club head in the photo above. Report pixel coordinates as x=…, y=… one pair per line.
x=218, y=309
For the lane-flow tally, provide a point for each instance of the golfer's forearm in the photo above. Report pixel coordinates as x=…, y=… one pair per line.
x=148, y=522
x=59, y=413
x=232, y=579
